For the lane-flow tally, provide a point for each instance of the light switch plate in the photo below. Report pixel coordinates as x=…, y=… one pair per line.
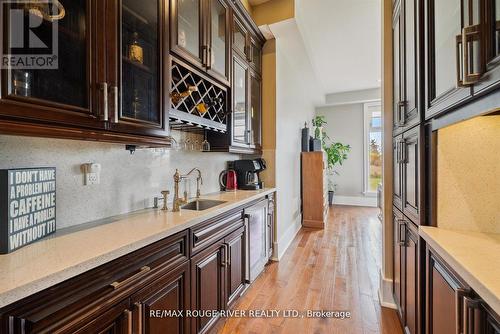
x=92, y=172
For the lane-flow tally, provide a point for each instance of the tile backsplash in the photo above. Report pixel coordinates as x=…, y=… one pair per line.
x=128, y=182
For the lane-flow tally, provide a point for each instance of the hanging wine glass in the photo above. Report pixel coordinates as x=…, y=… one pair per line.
x=205, y=146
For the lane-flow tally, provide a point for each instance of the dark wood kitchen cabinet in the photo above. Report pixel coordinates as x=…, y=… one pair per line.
x=208, y=284
x=84, y=97
x=138, y=70
x=411, y=173
x=405, y=265
x=200, y=31
x=70, y=92
x=405, y=66
x=461, y=48
x=452, y=306
x=235, y=277
x=168, y=293
x=112, y=298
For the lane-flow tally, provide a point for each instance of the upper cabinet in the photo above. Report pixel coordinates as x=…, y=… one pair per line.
x=137, y=78
x=103, y=75
x=200, y=34
x=461, y=39
x=65, y=85
x=406, y=79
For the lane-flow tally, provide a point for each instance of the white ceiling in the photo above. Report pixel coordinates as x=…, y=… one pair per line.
x=343, y=41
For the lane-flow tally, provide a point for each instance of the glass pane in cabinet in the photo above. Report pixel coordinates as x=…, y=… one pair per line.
x=255, y=110
x=57, y=47
x=240, y=103
x=447, y=21
x=188, y=25
x=496, y=35
x=239, y=38
x=256, y=54
x=140, y=70
x=218, y=37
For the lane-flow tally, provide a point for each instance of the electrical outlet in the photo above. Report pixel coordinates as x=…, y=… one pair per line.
x=92, y=173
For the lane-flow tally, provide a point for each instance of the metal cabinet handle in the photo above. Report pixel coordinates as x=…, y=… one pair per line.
x=459, y=59
x=140, y=321
x=116, y=116
x=402, y=113
x=209, y=57
x=117, y=285
x=402, y=228
x=403, y=151
x=104, y=88
x=470, y=305
x=471, y=34
x=128, y=321
x=459, y=295
x=224, y=262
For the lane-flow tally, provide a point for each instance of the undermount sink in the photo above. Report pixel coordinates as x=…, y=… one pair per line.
x=201, y=204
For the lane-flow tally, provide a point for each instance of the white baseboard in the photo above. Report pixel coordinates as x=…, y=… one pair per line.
x=355, y=200
x=385, y=292
x=284, y=242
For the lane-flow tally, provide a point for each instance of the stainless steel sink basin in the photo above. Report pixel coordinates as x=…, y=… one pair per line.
x=201, y=204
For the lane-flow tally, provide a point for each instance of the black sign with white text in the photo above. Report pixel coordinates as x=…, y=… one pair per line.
x=27, y=206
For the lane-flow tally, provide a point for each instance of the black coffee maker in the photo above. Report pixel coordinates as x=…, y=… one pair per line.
x=247, y=173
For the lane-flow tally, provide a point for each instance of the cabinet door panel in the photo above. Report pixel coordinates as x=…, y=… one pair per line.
x=410, y=112
x=141, y=68
x=240, y=38
x=62, y=85
x=255, y=110
x=397, y=73
x=219, y=42
x=168, y=293
x=411, y=279
x=186, y=29
x=444, y=298
x=397, y=173
x=236, y=246
x=399, y=236
x=444, y=56
x=411, y=174
x=208, y=278
x=240, y=103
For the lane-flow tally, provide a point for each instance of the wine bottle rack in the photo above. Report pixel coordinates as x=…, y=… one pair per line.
x=184, y=114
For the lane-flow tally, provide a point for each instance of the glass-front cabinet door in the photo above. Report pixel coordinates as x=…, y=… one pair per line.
x=186, y=29
x=444, y=39
x=53, y=73
x=218, y=51
x=140, y=81
x=240, y=38
x=255, y=110
x=240, y=128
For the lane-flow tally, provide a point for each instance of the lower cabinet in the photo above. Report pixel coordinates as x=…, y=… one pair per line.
x=168, y=293
x=452, y=306
x=405, y=283
x=218, y=277
x=207, y=273
x=152, y=290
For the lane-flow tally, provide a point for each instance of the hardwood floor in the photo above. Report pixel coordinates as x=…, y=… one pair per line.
x=332, y=269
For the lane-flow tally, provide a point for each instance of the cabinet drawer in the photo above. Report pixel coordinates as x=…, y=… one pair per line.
x=214, y=229
x=71, y=305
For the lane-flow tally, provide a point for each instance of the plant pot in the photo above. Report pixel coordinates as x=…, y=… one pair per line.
x=330, y=197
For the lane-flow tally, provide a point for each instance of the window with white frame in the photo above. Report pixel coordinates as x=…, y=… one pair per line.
x=372, y=146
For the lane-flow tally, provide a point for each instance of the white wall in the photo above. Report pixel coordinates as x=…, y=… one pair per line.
x=345, y=125
x=128, y=182
x=296, y=95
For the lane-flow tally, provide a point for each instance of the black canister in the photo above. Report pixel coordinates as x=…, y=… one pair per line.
x=305, y=138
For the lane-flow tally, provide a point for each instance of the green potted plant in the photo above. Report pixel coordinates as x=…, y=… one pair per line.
x=318, y=123
x=336, y=154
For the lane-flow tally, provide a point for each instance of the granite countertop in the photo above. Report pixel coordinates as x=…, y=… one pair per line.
x=474, y=256
x=53, y=260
